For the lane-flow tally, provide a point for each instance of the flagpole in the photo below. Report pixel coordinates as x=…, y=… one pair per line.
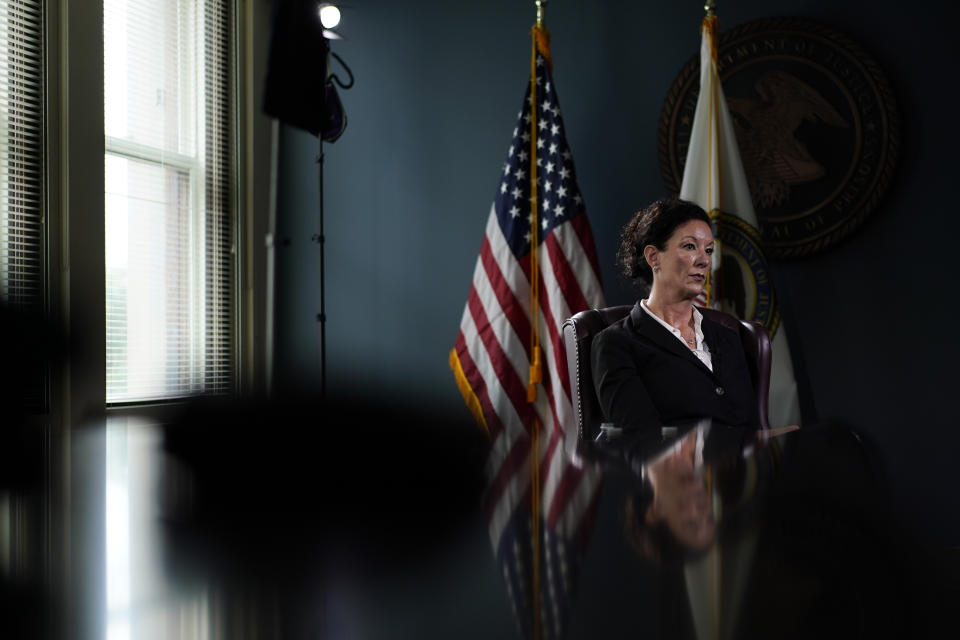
x=536, y=374
x=709, y=25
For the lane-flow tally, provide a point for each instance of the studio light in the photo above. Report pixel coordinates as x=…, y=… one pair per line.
x=329, y=15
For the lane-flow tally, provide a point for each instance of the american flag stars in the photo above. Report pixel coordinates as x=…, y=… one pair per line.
x=558, y=197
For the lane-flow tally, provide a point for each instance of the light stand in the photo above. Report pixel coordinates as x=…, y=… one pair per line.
x=322, y=316
x=321, y=239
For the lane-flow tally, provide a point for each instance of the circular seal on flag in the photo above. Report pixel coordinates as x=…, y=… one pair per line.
x=816, y=124
x=745, y=288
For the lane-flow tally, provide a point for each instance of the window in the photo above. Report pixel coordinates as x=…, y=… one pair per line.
x=169, y=200
x=21, y=170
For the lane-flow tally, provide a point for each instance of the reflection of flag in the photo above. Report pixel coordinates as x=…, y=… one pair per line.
x=713, y=177
x=496, y=351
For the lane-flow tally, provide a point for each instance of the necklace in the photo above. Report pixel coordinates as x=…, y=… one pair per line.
x=691, y=343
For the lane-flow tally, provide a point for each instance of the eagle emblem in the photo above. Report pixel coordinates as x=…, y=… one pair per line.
x=774, y=159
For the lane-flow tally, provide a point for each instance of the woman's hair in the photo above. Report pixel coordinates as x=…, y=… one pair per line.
x=654, y=541
x=653, y=225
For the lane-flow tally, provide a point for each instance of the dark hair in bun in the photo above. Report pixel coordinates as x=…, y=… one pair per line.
x=653, y=226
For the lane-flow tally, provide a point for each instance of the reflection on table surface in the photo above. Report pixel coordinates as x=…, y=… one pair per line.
x=247, y=521
x=772, y=535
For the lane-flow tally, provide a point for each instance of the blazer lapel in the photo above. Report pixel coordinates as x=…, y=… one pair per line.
x=711, y=337
x=655, y=332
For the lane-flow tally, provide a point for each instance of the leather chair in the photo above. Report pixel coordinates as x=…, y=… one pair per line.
x=578, y=333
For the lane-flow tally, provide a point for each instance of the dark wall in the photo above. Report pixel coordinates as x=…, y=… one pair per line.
x=408, y=190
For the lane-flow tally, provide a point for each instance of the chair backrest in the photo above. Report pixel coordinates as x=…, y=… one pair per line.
x=578, y=333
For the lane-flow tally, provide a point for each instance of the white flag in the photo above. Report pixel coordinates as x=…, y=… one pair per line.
x=714, y=178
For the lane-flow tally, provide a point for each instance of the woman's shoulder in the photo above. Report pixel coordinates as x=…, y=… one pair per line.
x=620, y=338
x=612, y=344
x=614, y=332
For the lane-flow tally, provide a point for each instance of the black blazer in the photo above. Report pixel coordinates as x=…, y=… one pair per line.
x=646, y=378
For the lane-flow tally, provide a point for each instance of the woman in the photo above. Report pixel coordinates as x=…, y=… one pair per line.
x=671, y=515
x=665, y=362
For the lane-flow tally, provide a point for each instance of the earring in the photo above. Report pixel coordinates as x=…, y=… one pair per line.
x=656, y=269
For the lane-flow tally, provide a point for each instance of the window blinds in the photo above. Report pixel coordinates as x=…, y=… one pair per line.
x=22, y=260
x=220, y=194
x=169, y=198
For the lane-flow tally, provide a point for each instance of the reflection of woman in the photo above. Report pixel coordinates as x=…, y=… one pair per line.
x=665, y=362
x=672, y=515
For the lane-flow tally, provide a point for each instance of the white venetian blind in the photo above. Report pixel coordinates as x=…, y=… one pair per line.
x=21, y=168
x=169, y=198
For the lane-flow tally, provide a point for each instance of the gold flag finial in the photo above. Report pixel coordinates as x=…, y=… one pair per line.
x=541, y=5
x=711, y=8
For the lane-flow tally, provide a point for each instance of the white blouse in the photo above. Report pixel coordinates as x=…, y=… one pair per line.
x=701, y=350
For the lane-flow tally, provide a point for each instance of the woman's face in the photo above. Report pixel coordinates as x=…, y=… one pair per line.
x=684, y=262
x=681, y=499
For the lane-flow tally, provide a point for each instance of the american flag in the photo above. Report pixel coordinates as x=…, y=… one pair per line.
x=492, y=357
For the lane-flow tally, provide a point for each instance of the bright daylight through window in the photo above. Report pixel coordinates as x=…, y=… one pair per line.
x=168, y=85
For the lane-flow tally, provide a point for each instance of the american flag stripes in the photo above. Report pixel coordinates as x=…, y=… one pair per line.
x=492, y=357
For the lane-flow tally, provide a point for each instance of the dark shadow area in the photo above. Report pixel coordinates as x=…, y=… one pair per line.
x=276, y=496
x=31, y=347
